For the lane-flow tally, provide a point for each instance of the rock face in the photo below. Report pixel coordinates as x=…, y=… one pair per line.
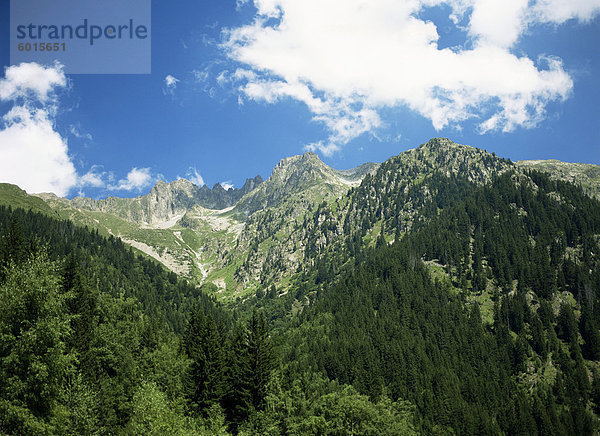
x=358, y=173
x=167, y=200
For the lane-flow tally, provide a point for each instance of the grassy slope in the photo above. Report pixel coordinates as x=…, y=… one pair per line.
x=586, y=175
x=12, y=195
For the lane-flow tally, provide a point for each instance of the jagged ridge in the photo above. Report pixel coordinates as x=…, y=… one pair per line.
x=167, y=200
x=304, y=211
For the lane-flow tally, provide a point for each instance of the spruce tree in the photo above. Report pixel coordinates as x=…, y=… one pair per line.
x=238, y=400
x=204, y=345
x=81, y=303
x=260, y=356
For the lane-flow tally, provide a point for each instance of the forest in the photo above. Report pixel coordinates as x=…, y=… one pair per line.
x=481, y=317
x=95, y=339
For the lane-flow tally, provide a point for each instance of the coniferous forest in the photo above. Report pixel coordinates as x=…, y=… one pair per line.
x=482, y=317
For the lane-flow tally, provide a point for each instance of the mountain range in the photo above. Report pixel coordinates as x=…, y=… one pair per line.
x=261, y=234
x=443, y=291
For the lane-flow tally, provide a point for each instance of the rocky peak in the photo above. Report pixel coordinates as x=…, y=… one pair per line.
x=441, y=144
x=304, y=177
x=448, y=157
x=251, y=184
x=182, y=184
x=176, y=188
x=167, y=200
x=302, y=169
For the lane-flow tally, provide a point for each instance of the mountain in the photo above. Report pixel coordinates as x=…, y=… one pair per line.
x=267, y=231
x=273, y=239
x=585, y=175
x=484, y=315
x=303, y=177
x=391, y=195
x=444, y=291
x=11, y=195
x=166, y=201
x=210, y=234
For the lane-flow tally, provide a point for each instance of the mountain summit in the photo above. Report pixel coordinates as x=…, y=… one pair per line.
x=303, y=211
x=304, y=175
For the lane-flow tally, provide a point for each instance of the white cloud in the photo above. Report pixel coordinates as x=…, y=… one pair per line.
x=346, y=60
x=194, y=176
x=200, y=75
x=227, y=185
x=170, y=84
x=94, y=178
x=559, y=11
x=497, y=22
x=32, y=154
x=31, y=81
x=344, y=122
x=76, y=132
x=137, y=179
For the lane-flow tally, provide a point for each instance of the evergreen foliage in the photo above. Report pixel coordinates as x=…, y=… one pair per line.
x=481, y=317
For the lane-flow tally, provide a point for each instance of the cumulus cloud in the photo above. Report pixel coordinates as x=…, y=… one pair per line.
x=559, y=11
x=346, y=60
x=94, y=178
x=136, y=180
x=31, y=81
x=343, y=119
x=194, y=176
x=32, y=154
x=170, y=84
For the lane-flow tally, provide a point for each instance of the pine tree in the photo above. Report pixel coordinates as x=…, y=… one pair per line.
x=205, y=379
x=260, y=356
x=238, y=399
x=538, y=339
x=590, y=334
x=567, y=326
x=12, y=245
x=34, y=362
x=82, y=305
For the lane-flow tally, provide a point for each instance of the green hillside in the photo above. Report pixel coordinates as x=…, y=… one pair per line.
x=13, y=196
x=585, y=175
x=444, y=291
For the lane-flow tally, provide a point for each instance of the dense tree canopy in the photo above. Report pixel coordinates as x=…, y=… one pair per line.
x=480, y=316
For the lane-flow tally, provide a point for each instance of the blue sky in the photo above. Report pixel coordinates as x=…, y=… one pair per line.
x=235, y=87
